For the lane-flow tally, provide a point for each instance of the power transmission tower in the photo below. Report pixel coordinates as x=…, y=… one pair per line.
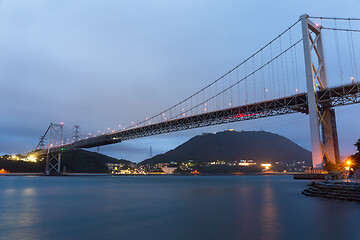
x=76, y=133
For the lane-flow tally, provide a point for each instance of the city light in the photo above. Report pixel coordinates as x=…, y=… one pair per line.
x=31, y=158
x=266, y=165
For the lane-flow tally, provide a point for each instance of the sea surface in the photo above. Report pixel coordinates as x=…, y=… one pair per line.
x=170, y=207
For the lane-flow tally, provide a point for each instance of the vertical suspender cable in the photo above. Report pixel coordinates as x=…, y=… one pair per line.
x=282, y=67
x=350, y=52
x=353, y=52
x=254, y=79
x=238, y=87
x=246, y=89
x=338, y=54
x=292, y=64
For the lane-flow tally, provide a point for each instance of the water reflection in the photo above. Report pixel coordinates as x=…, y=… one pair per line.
x=19, y=213
x=269, y=214
x=174, y=208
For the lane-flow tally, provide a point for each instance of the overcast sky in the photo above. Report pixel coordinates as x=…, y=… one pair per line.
x=99, y=64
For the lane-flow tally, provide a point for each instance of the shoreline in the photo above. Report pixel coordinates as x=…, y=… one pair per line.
x=40, y=174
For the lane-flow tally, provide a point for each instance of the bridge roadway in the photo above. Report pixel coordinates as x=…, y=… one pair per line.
x=335, y=96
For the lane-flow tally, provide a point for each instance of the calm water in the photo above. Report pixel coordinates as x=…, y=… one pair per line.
x=170, y=207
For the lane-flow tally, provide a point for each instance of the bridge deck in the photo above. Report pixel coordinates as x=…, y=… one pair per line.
x=336, y=96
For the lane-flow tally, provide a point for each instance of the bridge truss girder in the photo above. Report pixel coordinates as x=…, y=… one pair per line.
x=336, y=96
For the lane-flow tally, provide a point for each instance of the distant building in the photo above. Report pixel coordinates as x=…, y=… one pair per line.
x=115, y=167
x=168, y=170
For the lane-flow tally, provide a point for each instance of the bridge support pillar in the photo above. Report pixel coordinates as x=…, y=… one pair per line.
x=53, y=163
x=53, y=159
x=324, y=143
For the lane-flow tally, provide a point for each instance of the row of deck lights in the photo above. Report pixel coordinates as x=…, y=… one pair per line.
x=163, y=114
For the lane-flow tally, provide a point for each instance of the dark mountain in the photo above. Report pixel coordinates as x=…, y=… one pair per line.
x=230, y=146
x=74, y=161
x=82, y=161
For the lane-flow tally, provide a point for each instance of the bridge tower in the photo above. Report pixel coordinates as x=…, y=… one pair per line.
x=53, y=160
x=324, y=140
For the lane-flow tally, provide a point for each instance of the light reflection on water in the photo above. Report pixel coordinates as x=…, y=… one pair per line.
x=167, y=207
x=269, y=218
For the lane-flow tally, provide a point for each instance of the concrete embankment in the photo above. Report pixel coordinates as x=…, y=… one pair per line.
x=347, y=191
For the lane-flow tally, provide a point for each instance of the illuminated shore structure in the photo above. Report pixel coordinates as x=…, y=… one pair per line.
x=268, y=83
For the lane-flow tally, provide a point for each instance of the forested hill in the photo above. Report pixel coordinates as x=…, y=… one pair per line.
x=74, y=161
x=229, y=146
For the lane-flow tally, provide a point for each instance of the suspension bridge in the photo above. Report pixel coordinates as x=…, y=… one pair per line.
x=287, y=75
